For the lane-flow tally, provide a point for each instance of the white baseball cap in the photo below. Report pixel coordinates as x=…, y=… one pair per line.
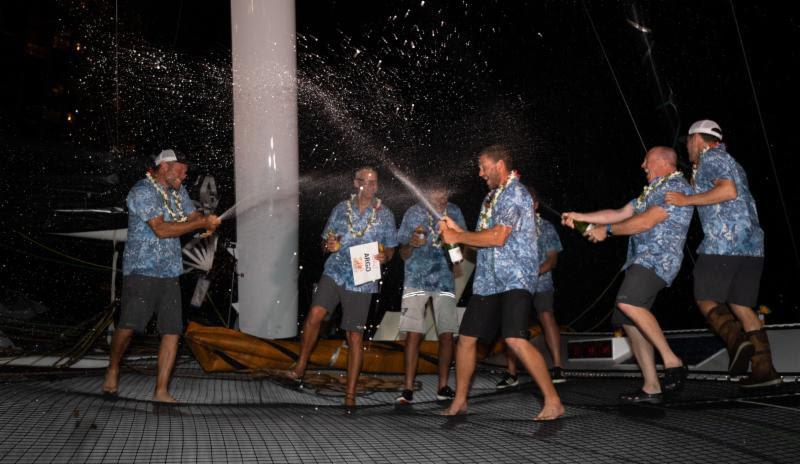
x=171, y=155
x=706, y=126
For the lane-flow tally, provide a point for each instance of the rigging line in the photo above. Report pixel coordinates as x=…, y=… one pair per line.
x=52, y=260
x=596, y=300
x=178, y=24
x=766, y=139
x=614, y=75
x=53, y=250
x=601, y=321
x=116, y=74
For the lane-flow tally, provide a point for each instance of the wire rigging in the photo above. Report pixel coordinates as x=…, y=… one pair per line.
x=766, y=139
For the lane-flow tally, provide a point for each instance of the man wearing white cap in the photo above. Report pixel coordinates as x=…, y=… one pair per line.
x=159, y=212
x=731, y=255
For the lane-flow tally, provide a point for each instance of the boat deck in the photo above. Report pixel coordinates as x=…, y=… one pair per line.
x=240, y=418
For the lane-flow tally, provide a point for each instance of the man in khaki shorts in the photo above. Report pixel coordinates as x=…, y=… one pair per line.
x=428, y=276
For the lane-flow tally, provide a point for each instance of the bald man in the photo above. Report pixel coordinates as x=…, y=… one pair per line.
x=655, y=250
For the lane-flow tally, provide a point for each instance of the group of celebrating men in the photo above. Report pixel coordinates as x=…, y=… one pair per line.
x=515, y=252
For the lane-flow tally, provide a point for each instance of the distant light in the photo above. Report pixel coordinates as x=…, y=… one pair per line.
x=69, y=117
x=77, y=46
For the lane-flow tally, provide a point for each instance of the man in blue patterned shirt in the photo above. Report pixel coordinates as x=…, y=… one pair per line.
x=655, y=250
x=428, y=277
x=549, y=248
x=160, y=211
x=504, y=283
x=728, y=271
x=360, y=219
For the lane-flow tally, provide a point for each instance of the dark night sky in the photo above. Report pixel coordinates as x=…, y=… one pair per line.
x=530, y=74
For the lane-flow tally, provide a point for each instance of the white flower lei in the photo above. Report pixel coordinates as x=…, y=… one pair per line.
x=178, y=215
x=488, y=206
x=372, y=218
x=640, y=201
x=696, y=166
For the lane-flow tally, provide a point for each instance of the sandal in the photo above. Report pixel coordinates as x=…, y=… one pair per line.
x=641, y=396
x=674, y=378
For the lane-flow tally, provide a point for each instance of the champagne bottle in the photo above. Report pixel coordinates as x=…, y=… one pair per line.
x=582, y=226
x=453, y=250
x=455, y=253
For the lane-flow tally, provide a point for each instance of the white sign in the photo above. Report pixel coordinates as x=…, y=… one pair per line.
x=365, y=267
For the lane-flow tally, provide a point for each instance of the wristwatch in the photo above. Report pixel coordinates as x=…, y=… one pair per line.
x=608, y=229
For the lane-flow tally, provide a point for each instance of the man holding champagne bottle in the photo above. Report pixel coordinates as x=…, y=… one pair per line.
x=731, y=256
x=655, y=250
x=504, y=282
x=360, y=219
x=428, y=277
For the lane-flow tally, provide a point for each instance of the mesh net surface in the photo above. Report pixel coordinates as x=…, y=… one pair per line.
x=245, y=418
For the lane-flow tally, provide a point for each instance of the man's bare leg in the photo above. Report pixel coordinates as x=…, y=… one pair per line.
x=119, y=344
x=166, y=361
x=534, y=363
x=552, y=336
x=747, y=317
x=355, y=356
x=466, y=352
x=645, y=357
x=648, y=325
x=511, y=361
x=308, y=339
x=706, y=306
x=445, y=358
x=413, y=340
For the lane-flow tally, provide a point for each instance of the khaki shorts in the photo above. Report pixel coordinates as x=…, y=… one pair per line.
x=414, y=309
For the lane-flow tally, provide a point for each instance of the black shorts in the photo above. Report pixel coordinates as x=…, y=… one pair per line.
x=543, y=302
x=508, y=311
x=728, y=279
x=355, y=305
x=142, y=296
x=640, y=288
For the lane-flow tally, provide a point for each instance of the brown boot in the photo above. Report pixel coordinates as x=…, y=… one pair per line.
x=740, y=349
x=763, y=373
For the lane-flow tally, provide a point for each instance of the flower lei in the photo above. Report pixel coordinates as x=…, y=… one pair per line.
x=650, y=187
x=488, y=205
x=696, y=166
x=372, y=217
x=178, y=215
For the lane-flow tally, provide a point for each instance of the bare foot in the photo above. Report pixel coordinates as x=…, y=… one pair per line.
x=550, y=411
x=293, y=374
x=111, y=381
x=164, y=397
x=455, y=410
x=349, y=403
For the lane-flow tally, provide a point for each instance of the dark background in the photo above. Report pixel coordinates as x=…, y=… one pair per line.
x=95, y=89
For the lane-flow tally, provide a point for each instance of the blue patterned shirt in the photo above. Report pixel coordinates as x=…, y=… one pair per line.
x=383, y=230
x=660, y=249
x=508, y=267
x=427, y=268
x=146, y=254
x=730, y=227
x=548, y=241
